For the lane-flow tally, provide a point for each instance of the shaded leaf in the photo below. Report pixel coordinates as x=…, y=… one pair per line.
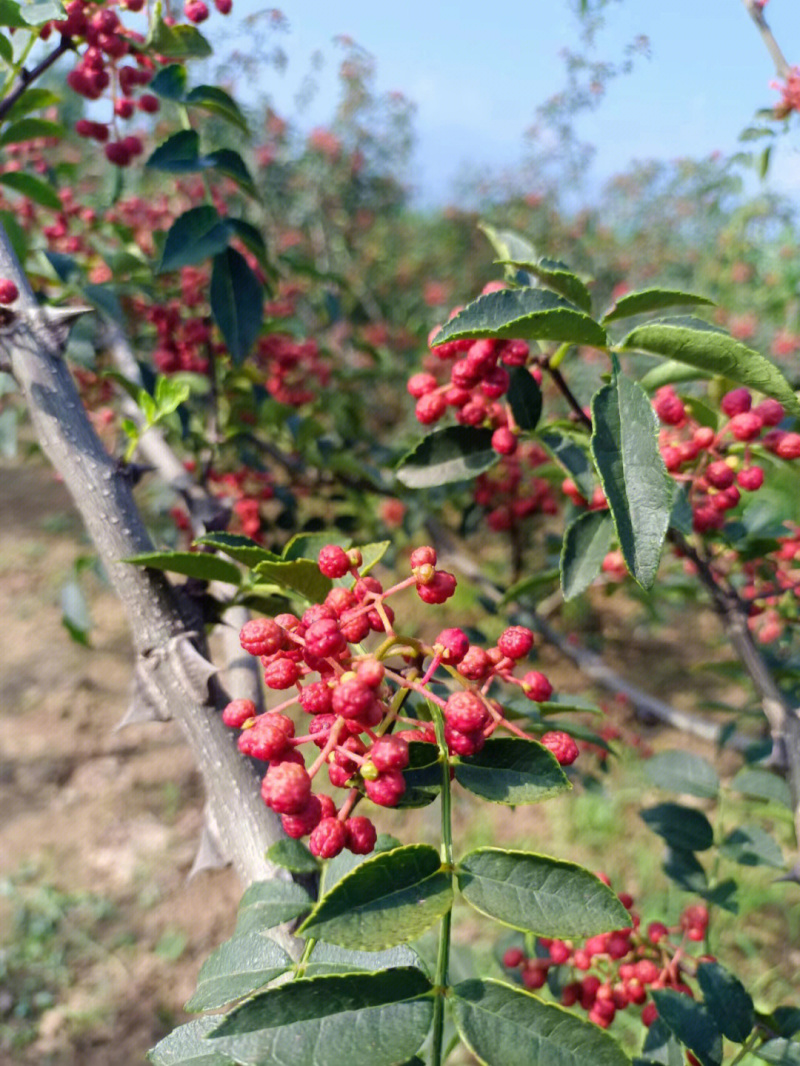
x=511, y=770
x=187, y=1046
x=685, y=869
x=586, y=544
x=215, y=100
x=299, y=575
x=179, y=154
x=293, y=855
x=529, y=314
x=361, y=1019
x=231, y=165
x=750, y=845
x=573, y=457
x=239, y=966
x=725, y=996
x=681, y=827
x=266, y=904
x=194, y=236
x=457, y=453
x=180, y=41
x=779, y=1051
x=390, y=899
x=170, y=82
x=241, y=548
x=330, y=958
x=525, y=398
x=237, y=302
x=28, y=129
x=557, y=277
x=691, y=1023
x=670, y=373
x=309, y=545
x=192, y=564
x=692, y=341
x=683, y=771
x=763, y=784
x=633, y=475
x=539, y=894
x=640, y=303
x=41, y=192
x=505, y=1026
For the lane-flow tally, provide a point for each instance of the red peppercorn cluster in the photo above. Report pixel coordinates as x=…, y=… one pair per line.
x=701, y=457
x=354, y=698
x=477, y=380
x=511, y=492
x=296, y=370
x=8, y=291
x=111, y=61
x=616, y=970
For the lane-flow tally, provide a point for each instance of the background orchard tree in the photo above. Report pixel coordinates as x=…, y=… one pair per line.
x=246, y=347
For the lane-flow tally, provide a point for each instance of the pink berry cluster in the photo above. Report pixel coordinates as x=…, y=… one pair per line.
x=511, y=492
x=477, y=380
x=296, y=369
x=703, y=458
x=771, y=587
x=354, y=698
x=114, y=63
x=613, y=971
x=790, y=94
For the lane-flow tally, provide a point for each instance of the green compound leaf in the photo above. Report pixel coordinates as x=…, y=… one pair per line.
x=28, y=129
x=572, y=453
x=241, y=548
x=725, y=996
x=237, y=968
x=356, y=1019
x=179, y=154
x=458, y=453
x=187, y=1046
x=387, y=900
x=557, y=277
x=763, y=784
x=511, y=770
x=750, y=845
x=690, y=340
x=298, y=575
x=692, y=1023
x=215, y=100
x=192, y=564
x=683, y=771
x=35, y=189
x=525, y=398
x=529, y=314
x=640, y=303
x=538, y=894
x=194, y=236
x=680, y=827
x=586, y=544
x=266, y=904
x=329, y=958
x=504, y=1026
x=237, y=302
x=634, y=478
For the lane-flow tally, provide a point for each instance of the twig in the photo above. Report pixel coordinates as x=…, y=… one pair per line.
x=27, y=77
x=756, y=13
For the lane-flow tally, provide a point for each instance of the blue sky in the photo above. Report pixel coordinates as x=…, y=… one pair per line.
x=477, y=71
